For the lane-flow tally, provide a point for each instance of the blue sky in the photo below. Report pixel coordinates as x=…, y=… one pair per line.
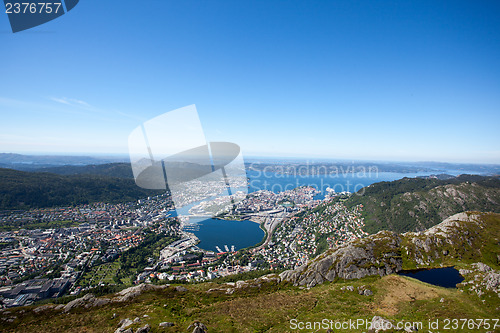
x=380, y=80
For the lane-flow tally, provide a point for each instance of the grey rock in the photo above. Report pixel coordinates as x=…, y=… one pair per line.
x=367, y=292
x=122, y=330
x=43, y=308
x=479, y=266
x=349, y=288
x=79, y=302
x=166, y=324
x=144, y=329
x=379, y=324
x=124, y=323
x=129, y=293
x=100, y=301
x=241, y=284
x=353, y=260
x=411, y=329
x=198, y=327
x=492, y=280
x=180, y=289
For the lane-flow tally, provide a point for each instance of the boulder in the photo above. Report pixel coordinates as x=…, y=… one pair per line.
x=144, y=329
x=79, y=302
x=166, y=324
x=129, y=293
x=379, y=324
x=124, y=323
x=198, y=327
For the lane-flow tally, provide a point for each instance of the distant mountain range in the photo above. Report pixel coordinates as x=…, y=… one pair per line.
x=118, y=170
x=32, y=162
x=304, y=166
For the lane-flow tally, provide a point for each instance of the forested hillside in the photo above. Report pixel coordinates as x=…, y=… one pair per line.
x=24, y=190
x=413, y=204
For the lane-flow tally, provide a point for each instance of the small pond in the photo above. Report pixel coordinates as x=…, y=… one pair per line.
x=447, y=277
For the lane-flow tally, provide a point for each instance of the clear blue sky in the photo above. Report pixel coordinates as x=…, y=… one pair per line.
x=383, y=80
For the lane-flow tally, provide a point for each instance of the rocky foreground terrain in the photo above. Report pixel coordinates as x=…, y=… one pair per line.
x=354, y=281
x=461, y=237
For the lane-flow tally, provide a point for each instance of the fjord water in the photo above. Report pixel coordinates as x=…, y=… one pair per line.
x=350, y=182
x=243, y=234
x=447, y=277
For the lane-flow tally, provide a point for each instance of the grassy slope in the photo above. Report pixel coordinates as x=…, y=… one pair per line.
x=270, y=307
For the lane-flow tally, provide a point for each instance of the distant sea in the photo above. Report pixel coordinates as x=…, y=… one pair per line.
x=350, y=182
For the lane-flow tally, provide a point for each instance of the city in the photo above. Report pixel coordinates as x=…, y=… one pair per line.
x=48, y=253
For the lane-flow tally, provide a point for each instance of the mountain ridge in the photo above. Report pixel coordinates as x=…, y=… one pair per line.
x=413, y=204
x=467, y=236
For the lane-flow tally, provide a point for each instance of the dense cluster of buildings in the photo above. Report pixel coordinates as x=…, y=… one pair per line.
x=44, y=263
x=53, y=259
x=297, y=238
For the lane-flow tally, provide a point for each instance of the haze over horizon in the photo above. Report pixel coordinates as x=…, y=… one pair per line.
x=414, y=81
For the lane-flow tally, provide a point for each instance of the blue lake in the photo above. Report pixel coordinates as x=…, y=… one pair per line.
x=213, y=232
x=447, y=277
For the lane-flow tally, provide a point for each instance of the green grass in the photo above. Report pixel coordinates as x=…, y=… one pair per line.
x=267, y=307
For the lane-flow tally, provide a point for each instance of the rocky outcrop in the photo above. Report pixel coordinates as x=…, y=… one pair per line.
x=89, y=300
x=378, y=254
x=480, y=279
x=129, y=293
x=382, y=254
x=457, y=236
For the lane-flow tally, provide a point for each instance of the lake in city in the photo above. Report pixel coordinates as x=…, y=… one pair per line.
x=215, y=233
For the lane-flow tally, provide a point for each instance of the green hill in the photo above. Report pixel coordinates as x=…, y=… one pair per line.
x=412, y=204
x=24, y=190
